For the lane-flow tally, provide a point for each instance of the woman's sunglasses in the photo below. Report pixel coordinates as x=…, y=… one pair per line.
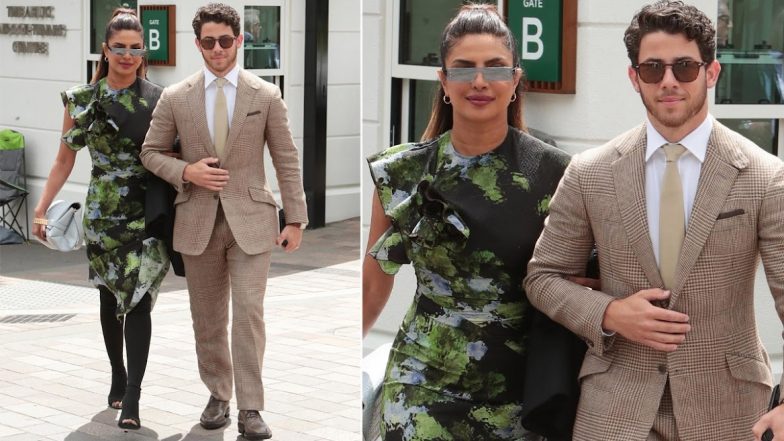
x=684, y=71
x=121, y=51
x=224, y=41
x=468, y=74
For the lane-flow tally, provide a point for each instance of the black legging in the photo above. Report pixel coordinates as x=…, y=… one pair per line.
x=137, y=336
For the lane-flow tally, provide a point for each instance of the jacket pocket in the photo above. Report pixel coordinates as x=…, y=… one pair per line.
x=593, y=364
x=749, y=369
x=182, y=196
x=261, y=195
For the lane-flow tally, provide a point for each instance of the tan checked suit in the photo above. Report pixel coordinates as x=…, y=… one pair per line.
x=226, y=237
x=719, y=376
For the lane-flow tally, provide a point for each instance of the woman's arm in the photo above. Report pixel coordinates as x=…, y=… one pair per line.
x=61, y=169
x=376, y=284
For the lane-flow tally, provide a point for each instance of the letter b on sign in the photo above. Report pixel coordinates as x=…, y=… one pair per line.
x=532, y=36
x=155, y=39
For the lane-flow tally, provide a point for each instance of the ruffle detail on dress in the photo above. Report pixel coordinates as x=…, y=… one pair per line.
x=89, y=118
x=404, y=180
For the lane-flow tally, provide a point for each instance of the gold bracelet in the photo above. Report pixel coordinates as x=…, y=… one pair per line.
x=41, y=221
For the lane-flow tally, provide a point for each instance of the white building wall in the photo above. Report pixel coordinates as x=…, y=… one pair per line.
x=30, y=86
x=604, y=106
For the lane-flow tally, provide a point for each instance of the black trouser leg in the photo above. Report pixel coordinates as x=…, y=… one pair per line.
x=112, y=328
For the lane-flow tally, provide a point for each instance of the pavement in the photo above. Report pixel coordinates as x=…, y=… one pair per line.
x=54, y=372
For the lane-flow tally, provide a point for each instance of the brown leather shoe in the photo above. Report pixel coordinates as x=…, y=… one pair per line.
x=251, y=426
x=215, y=415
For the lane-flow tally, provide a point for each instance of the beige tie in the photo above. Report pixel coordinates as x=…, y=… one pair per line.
x=671, y=216
x=221, y=118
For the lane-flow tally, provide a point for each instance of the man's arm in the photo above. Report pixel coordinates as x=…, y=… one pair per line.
x=157, y=148
x=561, y=254
x=563, y=250
x=285, y=159
x=771, y=245
x=159, y=141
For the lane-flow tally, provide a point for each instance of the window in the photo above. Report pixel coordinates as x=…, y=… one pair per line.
x=764, y=132
x=417, y=27
x=750, y=48
x=421, y=97
x=262, y=43
x=100, y=13
x=749, y=96
x=421, y=24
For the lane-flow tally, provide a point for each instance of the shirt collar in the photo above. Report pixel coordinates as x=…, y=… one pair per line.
x=695, y=142
x=233, y=76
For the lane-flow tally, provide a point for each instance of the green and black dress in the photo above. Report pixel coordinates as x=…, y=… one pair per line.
x=468, y=225
x=113, y=124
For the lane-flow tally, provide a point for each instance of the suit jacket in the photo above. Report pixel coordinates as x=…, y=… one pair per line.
x=719, y=377
x=259, y=117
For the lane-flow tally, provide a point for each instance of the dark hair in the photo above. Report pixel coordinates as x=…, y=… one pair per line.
x=672, y=17
x=123, y=19
x=474, y=18
x=216, y=13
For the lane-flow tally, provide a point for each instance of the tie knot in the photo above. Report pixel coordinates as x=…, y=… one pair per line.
x=220, y=82
x=673, y=151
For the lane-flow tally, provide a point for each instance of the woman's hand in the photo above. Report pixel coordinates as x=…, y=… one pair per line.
x=39, y=230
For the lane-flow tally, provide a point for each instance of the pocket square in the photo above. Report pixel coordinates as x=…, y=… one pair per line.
x=731, y=213
x=254, y=113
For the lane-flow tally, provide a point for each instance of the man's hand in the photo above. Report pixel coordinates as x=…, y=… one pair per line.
x=638, y=320
x=205, y=173
x=292, y=236
x=773, y=420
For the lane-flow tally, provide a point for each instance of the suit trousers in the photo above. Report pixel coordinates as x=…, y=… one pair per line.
x=664, y=427
x=222, y=272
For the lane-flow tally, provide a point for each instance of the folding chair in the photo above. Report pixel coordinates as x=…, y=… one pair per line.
x=13, y=186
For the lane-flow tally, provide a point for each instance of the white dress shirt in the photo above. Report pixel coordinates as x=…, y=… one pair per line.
x=689, y=167
x=211, y=89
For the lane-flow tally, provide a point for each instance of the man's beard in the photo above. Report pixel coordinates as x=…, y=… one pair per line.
x=668, y=119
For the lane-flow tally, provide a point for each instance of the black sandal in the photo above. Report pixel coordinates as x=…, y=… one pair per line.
x=129, y=417
x=117, y=391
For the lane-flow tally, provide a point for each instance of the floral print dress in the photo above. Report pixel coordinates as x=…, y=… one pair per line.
x=112, y=124
x=468, y=225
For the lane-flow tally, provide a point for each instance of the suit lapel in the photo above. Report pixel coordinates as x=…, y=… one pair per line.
x=241, y=105
x=629, y=178
x=723, y=162
x=196, y=105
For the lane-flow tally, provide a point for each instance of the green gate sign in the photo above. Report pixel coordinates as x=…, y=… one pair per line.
x=537, y=25
x=158, y=23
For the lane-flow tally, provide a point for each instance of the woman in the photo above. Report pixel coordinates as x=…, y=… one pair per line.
x=465, y=207
x=111, y=116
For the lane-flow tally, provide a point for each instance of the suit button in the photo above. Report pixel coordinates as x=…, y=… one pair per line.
x=215, y=196
x=663, y=368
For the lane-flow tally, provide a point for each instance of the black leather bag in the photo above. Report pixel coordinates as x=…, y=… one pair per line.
x=554, y=356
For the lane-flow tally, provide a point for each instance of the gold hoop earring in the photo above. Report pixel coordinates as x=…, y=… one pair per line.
x=446, y=100
x=514, y=97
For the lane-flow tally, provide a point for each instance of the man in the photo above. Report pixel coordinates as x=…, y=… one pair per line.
x=226, y=220
x=680, y=209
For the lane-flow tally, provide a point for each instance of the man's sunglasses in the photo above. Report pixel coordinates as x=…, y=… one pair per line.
x=121, y=51
x=684, y=71
x=468, y=74
x=224, y=41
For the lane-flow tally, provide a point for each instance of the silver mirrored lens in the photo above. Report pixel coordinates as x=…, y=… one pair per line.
x=123, y=50
x=468, y=74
